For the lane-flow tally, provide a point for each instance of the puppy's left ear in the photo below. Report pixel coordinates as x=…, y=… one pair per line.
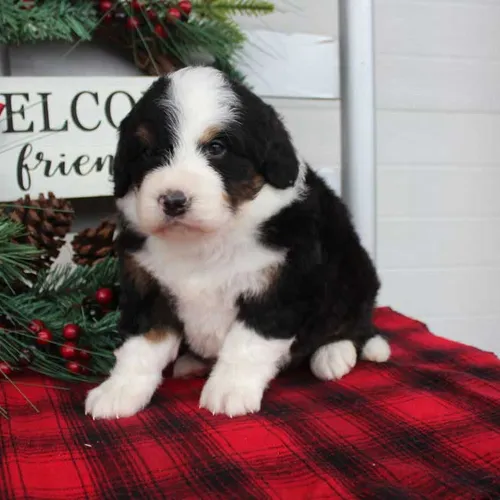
x=280, y=166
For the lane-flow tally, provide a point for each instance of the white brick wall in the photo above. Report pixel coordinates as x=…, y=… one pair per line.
x=438, y=65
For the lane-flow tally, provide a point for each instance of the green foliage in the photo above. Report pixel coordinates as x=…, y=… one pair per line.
x=14, y=259
x=225, y=8
x=48, y=20
x=209, y=32
x=56, y=298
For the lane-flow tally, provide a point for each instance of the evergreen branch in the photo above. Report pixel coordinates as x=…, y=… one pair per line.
x=225, y=8
x=48, y=20
x=15, y=259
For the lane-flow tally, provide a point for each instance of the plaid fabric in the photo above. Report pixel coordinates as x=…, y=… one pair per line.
x=424, y=425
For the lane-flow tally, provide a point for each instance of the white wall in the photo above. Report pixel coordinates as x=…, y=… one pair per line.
x=438, y=78
x=438, y=71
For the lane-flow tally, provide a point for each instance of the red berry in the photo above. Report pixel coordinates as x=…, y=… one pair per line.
x=43, y=337
x=132, y=23
x=104, y=296
x=71, y=331
x=5, y=368
x=105, y=5
x=186, y=7
x=136, y=4
x=152, y=14
x=162, y=33
x=73, y=367
x=68, y=350
x=174, y=13
x=36, y=325
x=84, y=353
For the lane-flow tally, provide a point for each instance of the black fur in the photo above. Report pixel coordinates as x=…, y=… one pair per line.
x=327, y=288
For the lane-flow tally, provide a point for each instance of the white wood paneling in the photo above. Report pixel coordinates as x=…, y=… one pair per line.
x=453, y=191
x=450, y=28
x=438, y=243
x=464, y=291
x=438, y=83
x=438, y=75
x=437, y=138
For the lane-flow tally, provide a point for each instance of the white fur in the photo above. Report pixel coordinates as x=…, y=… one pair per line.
x=333, y=361
x=134, y=379
x=377, y=349
x=246, y=364
x=187, y=366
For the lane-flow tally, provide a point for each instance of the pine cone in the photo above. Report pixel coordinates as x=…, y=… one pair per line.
x=93, y=245
x=47, y=221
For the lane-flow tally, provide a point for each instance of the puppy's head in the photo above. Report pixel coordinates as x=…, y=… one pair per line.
x=198, y=150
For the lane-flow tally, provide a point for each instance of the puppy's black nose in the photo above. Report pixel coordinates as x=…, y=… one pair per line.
x=174, y=203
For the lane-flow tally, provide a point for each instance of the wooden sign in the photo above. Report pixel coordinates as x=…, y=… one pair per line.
x=60, y=134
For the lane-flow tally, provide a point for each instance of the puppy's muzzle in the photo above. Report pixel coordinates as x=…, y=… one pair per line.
x=174, y=203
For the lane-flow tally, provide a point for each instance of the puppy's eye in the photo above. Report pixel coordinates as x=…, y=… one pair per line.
x=215, y=149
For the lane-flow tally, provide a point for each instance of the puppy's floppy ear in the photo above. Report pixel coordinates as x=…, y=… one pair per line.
x=280, y=165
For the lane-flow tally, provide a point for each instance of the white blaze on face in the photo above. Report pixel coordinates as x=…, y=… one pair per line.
x=201, y=100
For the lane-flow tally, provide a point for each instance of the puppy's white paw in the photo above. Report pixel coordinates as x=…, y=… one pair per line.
x=187, y=366
x=333, y=361
x=377, y=349
x=232, y=393
x=121, y=396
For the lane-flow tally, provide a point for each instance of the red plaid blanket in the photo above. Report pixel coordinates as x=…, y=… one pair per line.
x=424, y=425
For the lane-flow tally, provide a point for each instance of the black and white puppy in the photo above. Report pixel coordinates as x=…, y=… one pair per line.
x=231, y=246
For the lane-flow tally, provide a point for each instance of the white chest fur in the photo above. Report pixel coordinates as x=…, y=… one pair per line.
x=207, y=280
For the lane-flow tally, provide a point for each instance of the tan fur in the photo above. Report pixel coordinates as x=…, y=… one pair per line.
x=209, y=134
x=246, y=191
x=141, y=278
x=156, y=335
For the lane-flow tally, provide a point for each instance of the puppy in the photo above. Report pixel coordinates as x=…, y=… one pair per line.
x=231, y=245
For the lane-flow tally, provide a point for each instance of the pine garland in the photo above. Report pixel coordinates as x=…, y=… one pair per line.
x=57, y=298
x=199, y=28
x=63, y=20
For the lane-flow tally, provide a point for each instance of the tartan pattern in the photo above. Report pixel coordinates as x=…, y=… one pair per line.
x=424, y=425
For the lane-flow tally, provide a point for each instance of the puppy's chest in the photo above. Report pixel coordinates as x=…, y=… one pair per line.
x=206, y=290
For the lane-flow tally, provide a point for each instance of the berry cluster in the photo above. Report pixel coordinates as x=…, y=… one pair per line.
x=134, y=13
x=76, y=355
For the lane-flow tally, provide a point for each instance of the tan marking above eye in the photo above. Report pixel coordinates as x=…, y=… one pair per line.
x=209, y=134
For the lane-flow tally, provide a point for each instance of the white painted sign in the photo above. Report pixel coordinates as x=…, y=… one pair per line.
x=60, y=134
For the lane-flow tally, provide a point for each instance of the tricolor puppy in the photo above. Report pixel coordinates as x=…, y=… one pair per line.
x=231, y=246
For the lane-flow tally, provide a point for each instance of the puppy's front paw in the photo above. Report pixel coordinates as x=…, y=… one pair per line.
x=121, y=396
x=232, y=393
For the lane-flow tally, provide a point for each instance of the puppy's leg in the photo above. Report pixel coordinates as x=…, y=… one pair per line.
x=246, y=364
x=136, y=375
